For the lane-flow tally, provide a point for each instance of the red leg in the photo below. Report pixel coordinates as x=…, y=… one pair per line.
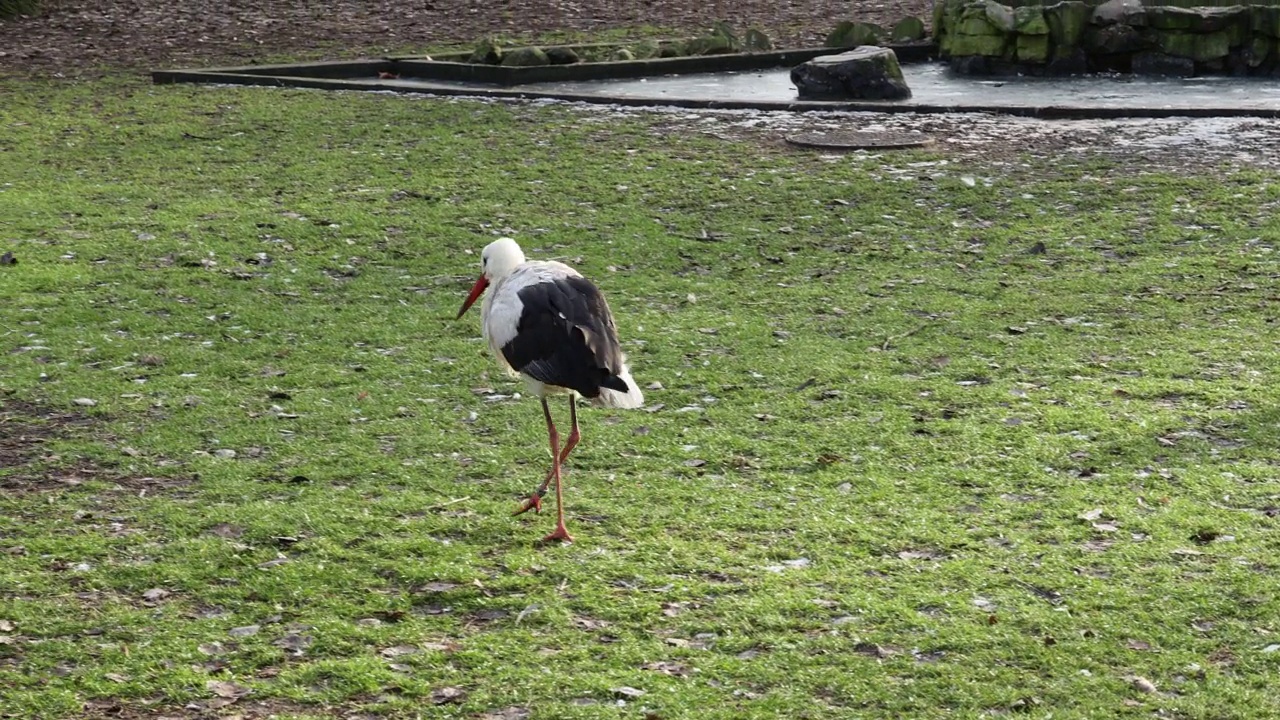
x=534, y=502
x=560, y=533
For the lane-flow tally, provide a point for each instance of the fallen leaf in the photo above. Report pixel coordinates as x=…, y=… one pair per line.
x=399, y=651
x=85, y=402
x=117, y=677
x=225, y=689
x=1143, y=684
x=448, y=695
x=155, y=594
x=695, y=463
x=6, y=626
x=673, y=669
x=626, y=693
x=1090, y=515
x=1138, y=645
x=438, y=587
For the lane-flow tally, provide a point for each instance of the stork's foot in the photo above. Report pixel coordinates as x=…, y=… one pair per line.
x=533, y=502
x=560, y=535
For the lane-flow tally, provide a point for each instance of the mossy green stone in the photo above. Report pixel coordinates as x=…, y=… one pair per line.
x=1029, y=20
x=646, y=49
x=908, y=29
x=1032, y=48
x=985, y=45
x=1067, y=21
x=974, y=21
x=525, y=57
x=1200, y=47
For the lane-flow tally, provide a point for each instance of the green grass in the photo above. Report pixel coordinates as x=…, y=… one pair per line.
x=943, y=475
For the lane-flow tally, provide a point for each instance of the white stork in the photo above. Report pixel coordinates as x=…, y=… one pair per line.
x=546, y=323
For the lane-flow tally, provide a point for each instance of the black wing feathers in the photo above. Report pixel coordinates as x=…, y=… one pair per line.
x=566, y=337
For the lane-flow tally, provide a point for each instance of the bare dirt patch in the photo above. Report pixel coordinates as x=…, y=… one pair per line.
x=28, y=463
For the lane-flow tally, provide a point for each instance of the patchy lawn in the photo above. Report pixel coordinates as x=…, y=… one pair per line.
x=935, y=437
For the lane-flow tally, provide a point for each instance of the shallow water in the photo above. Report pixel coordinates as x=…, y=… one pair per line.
x=934, y=84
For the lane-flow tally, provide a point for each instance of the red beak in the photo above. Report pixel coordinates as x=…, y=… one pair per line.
x=476, y=291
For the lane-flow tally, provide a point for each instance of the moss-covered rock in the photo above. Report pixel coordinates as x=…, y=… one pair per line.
x=1029, y=20
x=855, y=34
x=1265, y=20
x=756, y=40
x=1258, y=50
x=646, y=49
x=708, y=45
x=487, y=51
x=622, y=55
x=562, y=56
x=1000, y=16
x=984, y=45
x=866, y=73
x=1067, y=22
x=1201, y=47
x=525, y=57
x=1032, y=49
x=672, y=49
x=908, y=29
x=974, y=21
x=722, y=29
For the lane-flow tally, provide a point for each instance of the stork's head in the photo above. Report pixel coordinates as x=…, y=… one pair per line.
x=498, y=260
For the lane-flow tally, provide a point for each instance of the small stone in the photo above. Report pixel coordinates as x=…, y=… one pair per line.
x=85, y=402
x=224, y=453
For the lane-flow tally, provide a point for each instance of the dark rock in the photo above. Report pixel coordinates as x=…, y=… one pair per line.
x=865, y=73
x=1154, y=63
x=1068, y=62
x=1265, y=20
x=1114, y=39
x=562, y=56
x=971, y=65
x=1120, y=12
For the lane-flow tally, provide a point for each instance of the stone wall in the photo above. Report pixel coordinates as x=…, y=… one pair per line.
x=983, y=37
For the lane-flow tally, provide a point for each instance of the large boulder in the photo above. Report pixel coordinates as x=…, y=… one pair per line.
x=864, y=73
x=1265, y=20
x=1201, y=47
x=1154, y=63
x=908, y=29
x=1067, y=22
x=1120, y=12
